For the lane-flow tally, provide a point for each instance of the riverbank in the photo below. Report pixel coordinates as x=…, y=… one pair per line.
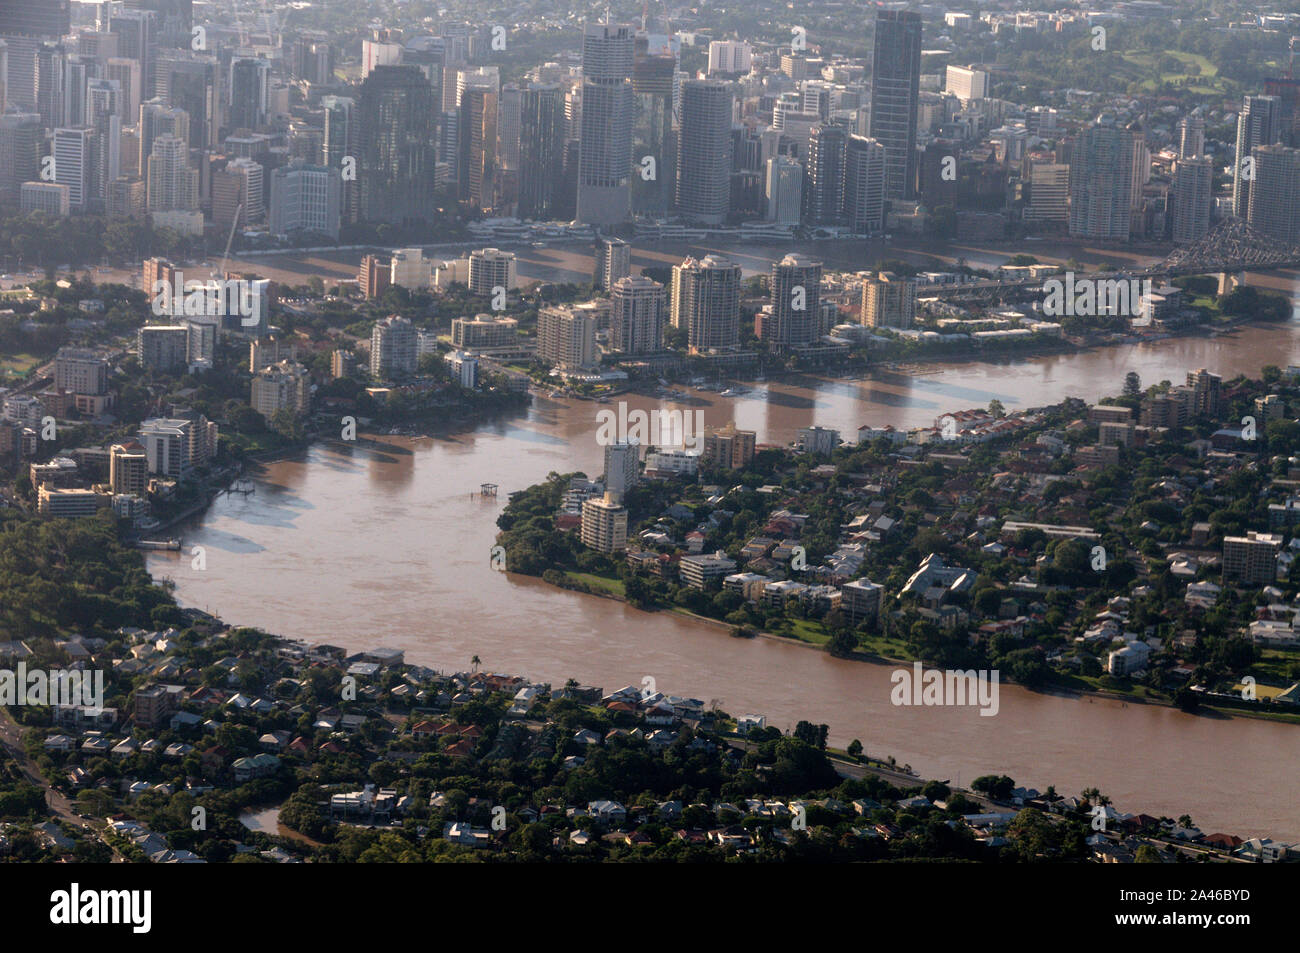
x=408, y=550
x=875, y=658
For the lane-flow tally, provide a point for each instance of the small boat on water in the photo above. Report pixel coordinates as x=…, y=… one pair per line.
x=159, y=544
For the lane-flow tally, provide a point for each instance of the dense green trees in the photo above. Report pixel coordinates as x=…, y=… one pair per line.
x=57, y=576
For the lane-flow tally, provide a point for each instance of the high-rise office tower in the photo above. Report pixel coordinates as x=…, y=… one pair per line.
x=705, y=302
x=1287, y=90
x=795, y=306
x=731, y=57
x=704, y=152
x=249, y=91
x=1193, y=195
x=70, y=105
x=657, y=92
x=639, y=313
x=477, y=168
x=171, y=185
x=477, y=77
x=749, y=148
x=305, y=198
x=20, y=70
x=613, y=261
x=864, y=185
x=174, y=21
x=104, y=115
x=49, y=18
x=895, y=95
x=1275, y=193
x=137, y=39
x=783, y=189
x=823, y=192
x=157, y=119
x=1191, y=136
x=126, y=196
x=509, y=118
x=24, y=24
x=447, y=150
x=188, y=81
x=74, y=161
x=312, y=59
x=22, y=138
x=237, y=194
x=1141, y=165
x=100, y=47
x=126, y=73
x=1101, y=182
x=816, y=98
x=967, y=83
x=4, y=76
x=605, y=149
x=396, y=165
x=1258, y=124
x=51, y=77
x=429, y=53
x=541, y=151
x=339, y=140
x=1049, y=193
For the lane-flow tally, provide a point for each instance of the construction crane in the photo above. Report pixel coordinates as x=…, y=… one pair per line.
x=221, y=270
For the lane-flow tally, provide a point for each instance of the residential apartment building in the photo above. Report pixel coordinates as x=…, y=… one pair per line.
x=888, y=301
x=604, y=524
x=700, y=572
x=392, y=348
x=728, y=447
x=281, y=386
x=639, y=312
x=706, y=302
x=1250, y=560
x=860, y=600
x=484, y=332
x=489, y=269
x=174, y=446
x=81, y=371
x=566, y=338
x=128, y=468
x=163, y=347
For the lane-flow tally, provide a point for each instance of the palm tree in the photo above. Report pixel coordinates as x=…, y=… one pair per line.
x=475, y=663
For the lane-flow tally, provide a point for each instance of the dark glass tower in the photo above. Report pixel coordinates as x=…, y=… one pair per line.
x=895, y=93
x=396, y=165
x=541, y=152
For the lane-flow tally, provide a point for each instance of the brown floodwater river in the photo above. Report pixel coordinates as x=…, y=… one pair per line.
x=386, y=543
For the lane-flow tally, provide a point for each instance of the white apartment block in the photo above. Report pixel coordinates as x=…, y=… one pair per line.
x=604, y=525
x=566, y=338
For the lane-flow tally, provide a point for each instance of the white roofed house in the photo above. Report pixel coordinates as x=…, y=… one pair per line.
x=1130, y=659
x=607, y=812
x=1202, y=595
x=747, y=723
